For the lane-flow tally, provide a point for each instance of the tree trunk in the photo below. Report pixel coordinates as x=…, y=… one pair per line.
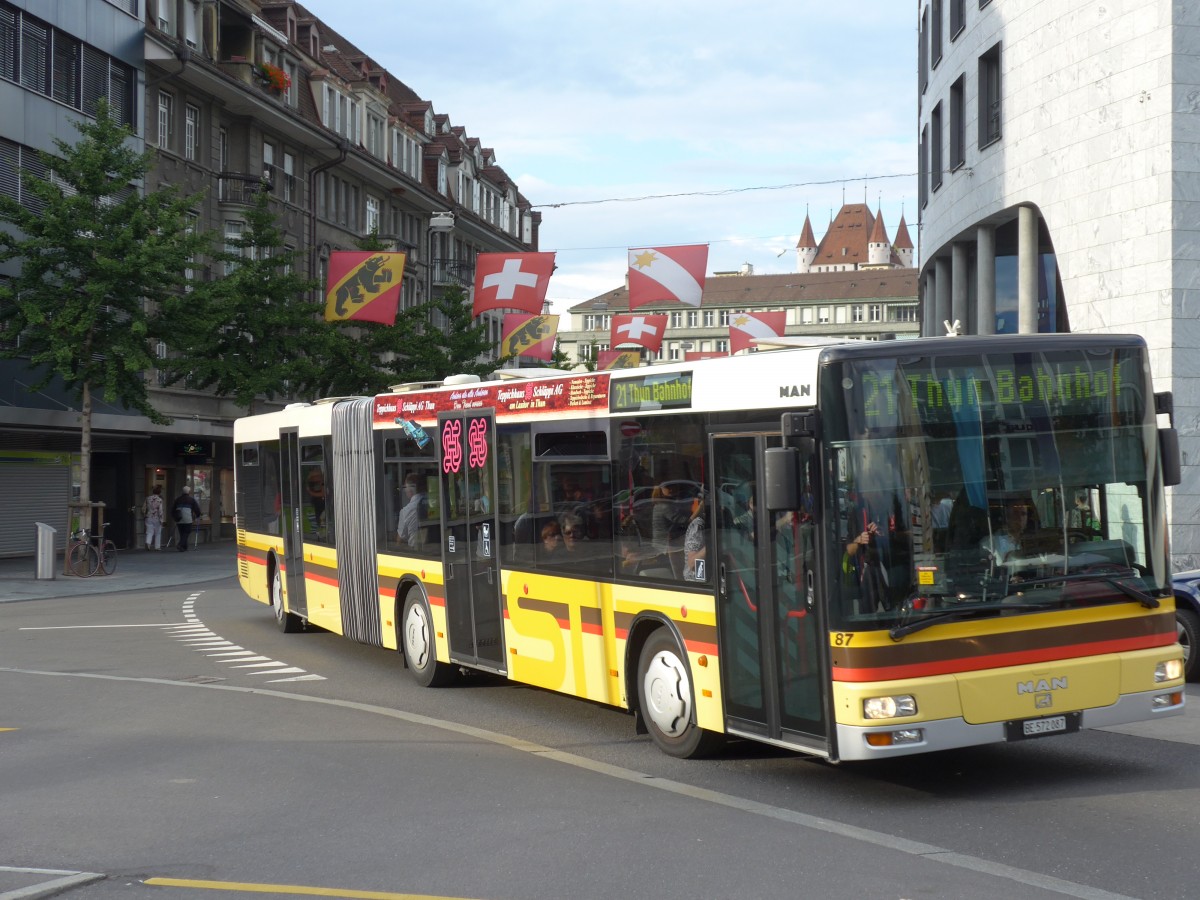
x=85, y=448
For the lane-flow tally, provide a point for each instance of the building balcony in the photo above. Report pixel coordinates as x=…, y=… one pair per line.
x=452, y=272
x=239, y=188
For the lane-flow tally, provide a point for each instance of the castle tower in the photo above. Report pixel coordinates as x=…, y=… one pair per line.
x=806, y=247
x=904, y=245
x=879, y=248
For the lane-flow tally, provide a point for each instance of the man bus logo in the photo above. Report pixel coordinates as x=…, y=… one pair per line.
x=792, y=390
x=1042, y=684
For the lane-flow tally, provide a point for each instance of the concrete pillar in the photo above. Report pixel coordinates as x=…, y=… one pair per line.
x=959, y=263
x=985, y=278
x=927, y=289
x=1027, y=270
x=941, y=294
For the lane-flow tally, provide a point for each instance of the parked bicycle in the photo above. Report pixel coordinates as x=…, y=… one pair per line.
x=88, y=554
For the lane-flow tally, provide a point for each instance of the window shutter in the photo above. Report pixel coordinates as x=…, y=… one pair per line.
x=35, y=55
x=10, y=161
x=8, y=43
x=65, y=82
x=95, y=78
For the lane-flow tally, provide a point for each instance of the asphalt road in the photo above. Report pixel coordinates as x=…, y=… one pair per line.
x=169, y=740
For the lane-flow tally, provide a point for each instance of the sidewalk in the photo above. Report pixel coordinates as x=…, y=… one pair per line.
x=136, y=570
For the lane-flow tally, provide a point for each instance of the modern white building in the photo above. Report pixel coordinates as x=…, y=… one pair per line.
x=1060, y=184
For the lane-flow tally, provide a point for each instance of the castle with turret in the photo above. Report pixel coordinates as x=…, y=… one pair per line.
x=856, y=239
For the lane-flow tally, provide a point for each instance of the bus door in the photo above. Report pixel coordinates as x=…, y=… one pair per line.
x=291, y=524
x=470, y=548
x=769, y=626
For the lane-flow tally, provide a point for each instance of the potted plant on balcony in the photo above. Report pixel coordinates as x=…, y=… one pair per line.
x=274, y=78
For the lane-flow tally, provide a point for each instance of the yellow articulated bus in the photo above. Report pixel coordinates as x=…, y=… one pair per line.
x=856, y=550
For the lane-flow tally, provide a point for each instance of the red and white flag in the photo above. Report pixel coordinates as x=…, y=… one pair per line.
x=667, y=273
x=632, y=328
x=745, y=327
x=512, y=281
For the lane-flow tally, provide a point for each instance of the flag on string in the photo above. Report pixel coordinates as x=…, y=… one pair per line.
x=633, y=328
x=667, y=273
x=618, y=359
x=744, y=327
x=532, y=336
x=512, y=281
x=363, y=286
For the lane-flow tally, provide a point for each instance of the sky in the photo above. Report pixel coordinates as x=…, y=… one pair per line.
x=737, y=118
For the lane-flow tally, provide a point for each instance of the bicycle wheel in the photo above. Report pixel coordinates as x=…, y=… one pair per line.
x=83, y=559
x=108, y=557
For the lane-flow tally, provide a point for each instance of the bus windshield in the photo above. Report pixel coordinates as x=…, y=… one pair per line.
x=962, y=487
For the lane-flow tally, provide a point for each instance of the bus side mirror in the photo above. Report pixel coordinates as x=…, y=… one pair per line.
x=781, y=472
x=1168, y=452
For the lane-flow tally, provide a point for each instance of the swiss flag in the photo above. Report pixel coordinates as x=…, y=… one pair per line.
x=512, y=281
x=667, y=273
x=632, y=328
x=744, y=327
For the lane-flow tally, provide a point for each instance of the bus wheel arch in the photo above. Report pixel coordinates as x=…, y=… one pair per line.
x=289, y=623
x=663, y=693
x=416, y=638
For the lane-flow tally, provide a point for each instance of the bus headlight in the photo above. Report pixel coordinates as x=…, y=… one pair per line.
x=1168, y=670
x=889, y=707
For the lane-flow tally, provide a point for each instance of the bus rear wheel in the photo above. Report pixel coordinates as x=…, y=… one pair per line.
x=288, y=623
x=665, y=700
x=420, y=644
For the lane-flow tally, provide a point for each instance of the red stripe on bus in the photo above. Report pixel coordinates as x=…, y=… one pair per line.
x=257, y=560
x=701, y=647
x=321, y=579
x=1000, y=660
x=436, y=600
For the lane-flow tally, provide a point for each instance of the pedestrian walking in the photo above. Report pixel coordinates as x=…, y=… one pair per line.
x=186, y=511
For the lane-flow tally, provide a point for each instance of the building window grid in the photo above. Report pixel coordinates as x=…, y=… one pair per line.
x=989, y=96
x=958, y=125
x=53, y=63
x=191, y=132
x=935, y=148
x=166, y=113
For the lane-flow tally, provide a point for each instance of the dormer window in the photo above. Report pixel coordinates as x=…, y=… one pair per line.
x=314, y=42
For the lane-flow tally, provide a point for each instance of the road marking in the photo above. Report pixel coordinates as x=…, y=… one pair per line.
x=303, y=890
x=65, y=881
x=9, y=729
x=928, y=852
x=77, y=627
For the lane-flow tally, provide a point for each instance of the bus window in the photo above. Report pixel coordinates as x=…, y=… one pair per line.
x=316, y=519
x=410, y=502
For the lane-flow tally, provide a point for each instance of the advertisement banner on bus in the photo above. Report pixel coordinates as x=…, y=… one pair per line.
x=541, y=396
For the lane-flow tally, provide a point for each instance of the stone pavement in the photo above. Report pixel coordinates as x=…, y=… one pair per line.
x=136, y=570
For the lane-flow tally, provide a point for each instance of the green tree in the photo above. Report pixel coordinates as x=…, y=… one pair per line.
x=98, y=258
x=256, y=330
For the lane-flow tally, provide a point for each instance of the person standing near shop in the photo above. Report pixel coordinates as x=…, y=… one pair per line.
x=186, y=511
x=153, y=510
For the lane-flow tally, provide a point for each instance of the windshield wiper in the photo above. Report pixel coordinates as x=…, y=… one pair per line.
x=900, y=631
x=1109, y=578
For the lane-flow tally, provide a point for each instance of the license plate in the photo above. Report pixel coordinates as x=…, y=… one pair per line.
x=1044, y=726
x=1031, y=728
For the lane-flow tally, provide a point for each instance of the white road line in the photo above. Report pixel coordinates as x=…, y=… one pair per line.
x=80, y=627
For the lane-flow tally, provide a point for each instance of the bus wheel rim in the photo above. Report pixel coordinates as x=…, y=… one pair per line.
x=416, y=636
x=277, y=596
x=667, y=694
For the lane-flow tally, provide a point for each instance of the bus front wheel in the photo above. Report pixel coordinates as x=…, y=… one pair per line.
x=420, y=644
x=665, y=700
x=289, y=623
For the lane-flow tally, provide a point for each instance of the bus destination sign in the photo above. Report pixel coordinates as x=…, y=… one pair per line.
x=649, y=392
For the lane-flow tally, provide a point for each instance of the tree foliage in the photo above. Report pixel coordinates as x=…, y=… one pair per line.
x=98, y=258
x=255, y=330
